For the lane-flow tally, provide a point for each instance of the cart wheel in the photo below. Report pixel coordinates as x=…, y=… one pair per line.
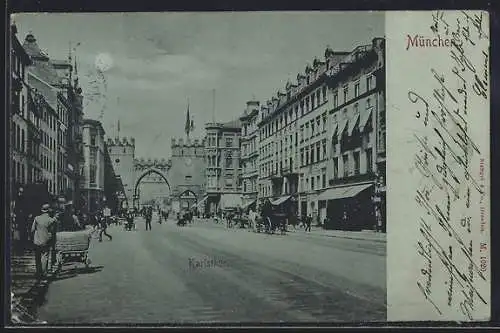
x=87, y=263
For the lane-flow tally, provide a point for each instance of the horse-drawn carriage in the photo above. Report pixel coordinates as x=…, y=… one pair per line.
x=272, y=223
x=184, y=218
x=274, y=216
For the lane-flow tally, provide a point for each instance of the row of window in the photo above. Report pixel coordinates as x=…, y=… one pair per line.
x=48, y=141
x=350, y=166
x=48, y=163
x=249, y=185
x=314, y=153
x=313, y=183
x=49, y=119
x=18, y=65
x=313, y=127
x=305, y=106
x=213, y=182
x=311, y=102
x=214, y=161
x=212, y=141
x=18, y=138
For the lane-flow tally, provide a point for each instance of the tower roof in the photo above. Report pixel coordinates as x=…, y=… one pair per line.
x=32, y=48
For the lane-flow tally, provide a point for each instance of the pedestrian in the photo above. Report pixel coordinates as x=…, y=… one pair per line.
x=20, y=210
x=344, y=220
x=251, y=219
x=42, y=230
x=378, y=218
x=149, y=216
x=308, y=223
x=58, y=216
x=76, y=222
x=103, y=223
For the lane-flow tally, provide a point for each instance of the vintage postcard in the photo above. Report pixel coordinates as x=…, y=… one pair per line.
x=296, y=167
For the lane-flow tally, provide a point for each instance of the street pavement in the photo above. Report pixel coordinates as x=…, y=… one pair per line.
x=205, y=273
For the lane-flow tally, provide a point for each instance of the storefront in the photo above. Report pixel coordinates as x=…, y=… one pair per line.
x=349, y=207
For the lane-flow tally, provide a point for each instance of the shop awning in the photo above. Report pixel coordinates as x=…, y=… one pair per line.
x=248, y=204
x=198, y=204
x=230, y=201
x=352, y=123
x=343, y=192
x=341, y=129
x=364, y=118
x=280, y=200
x=335, y=129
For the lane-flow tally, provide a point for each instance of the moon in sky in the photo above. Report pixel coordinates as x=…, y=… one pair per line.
x=103, y=62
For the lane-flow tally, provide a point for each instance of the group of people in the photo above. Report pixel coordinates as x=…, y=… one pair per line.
x=48, y=222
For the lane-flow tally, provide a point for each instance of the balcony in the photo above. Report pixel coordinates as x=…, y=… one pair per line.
x=276, y=176
x=289, y=171
x=352, y=179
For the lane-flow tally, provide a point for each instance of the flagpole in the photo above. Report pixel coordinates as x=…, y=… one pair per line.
x=213, y=105
x=118, y=125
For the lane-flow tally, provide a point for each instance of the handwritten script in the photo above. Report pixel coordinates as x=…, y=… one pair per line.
x=449, y=166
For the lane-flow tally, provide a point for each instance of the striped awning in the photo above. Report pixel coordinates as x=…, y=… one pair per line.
x=343, y=192
x=280, y=200
x=198, y=204
x=230, y=201
x=364, y=118
x=342, y=126
x=352, y=123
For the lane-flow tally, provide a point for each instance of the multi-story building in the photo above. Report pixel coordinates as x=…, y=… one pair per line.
x=65, y=108
x=21, y=121
x=300, y=142
x=223, y=169
x=186, y=174
x=293, y=134
x=122, y=154
x=93, y=168
x=357, y=148
x=53, y=102
x=249, y=150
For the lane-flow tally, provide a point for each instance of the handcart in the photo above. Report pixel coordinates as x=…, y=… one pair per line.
x=73, y=247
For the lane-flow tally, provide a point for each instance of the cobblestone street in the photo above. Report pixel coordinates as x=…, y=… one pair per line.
x=151, y=277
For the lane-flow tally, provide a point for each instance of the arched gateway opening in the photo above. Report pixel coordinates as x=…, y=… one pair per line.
x=188, y=199
x=141, y=177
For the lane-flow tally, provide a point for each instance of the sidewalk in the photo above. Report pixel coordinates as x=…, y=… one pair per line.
x=368, y=235
x=27, y=291
x=22, y=268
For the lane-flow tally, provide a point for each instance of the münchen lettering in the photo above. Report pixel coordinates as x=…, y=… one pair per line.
x=425, y=42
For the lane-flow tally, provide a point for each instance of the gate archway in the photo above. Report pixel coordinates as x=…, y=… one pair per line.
x=193, y=199
x=141, y=177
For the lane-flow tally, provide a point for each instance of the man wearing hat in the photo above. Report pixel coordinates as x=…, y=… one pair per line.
x=42, y=230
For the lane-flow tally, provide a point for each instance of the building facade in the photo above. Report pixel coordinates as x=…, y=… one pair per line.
x=302, y=156
x=52, y=101
x=223, y=167
x=22, y=121
x=186, y=175
x=93, y=168
x=122, y=155
x=357, y=148
x=249, y=147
